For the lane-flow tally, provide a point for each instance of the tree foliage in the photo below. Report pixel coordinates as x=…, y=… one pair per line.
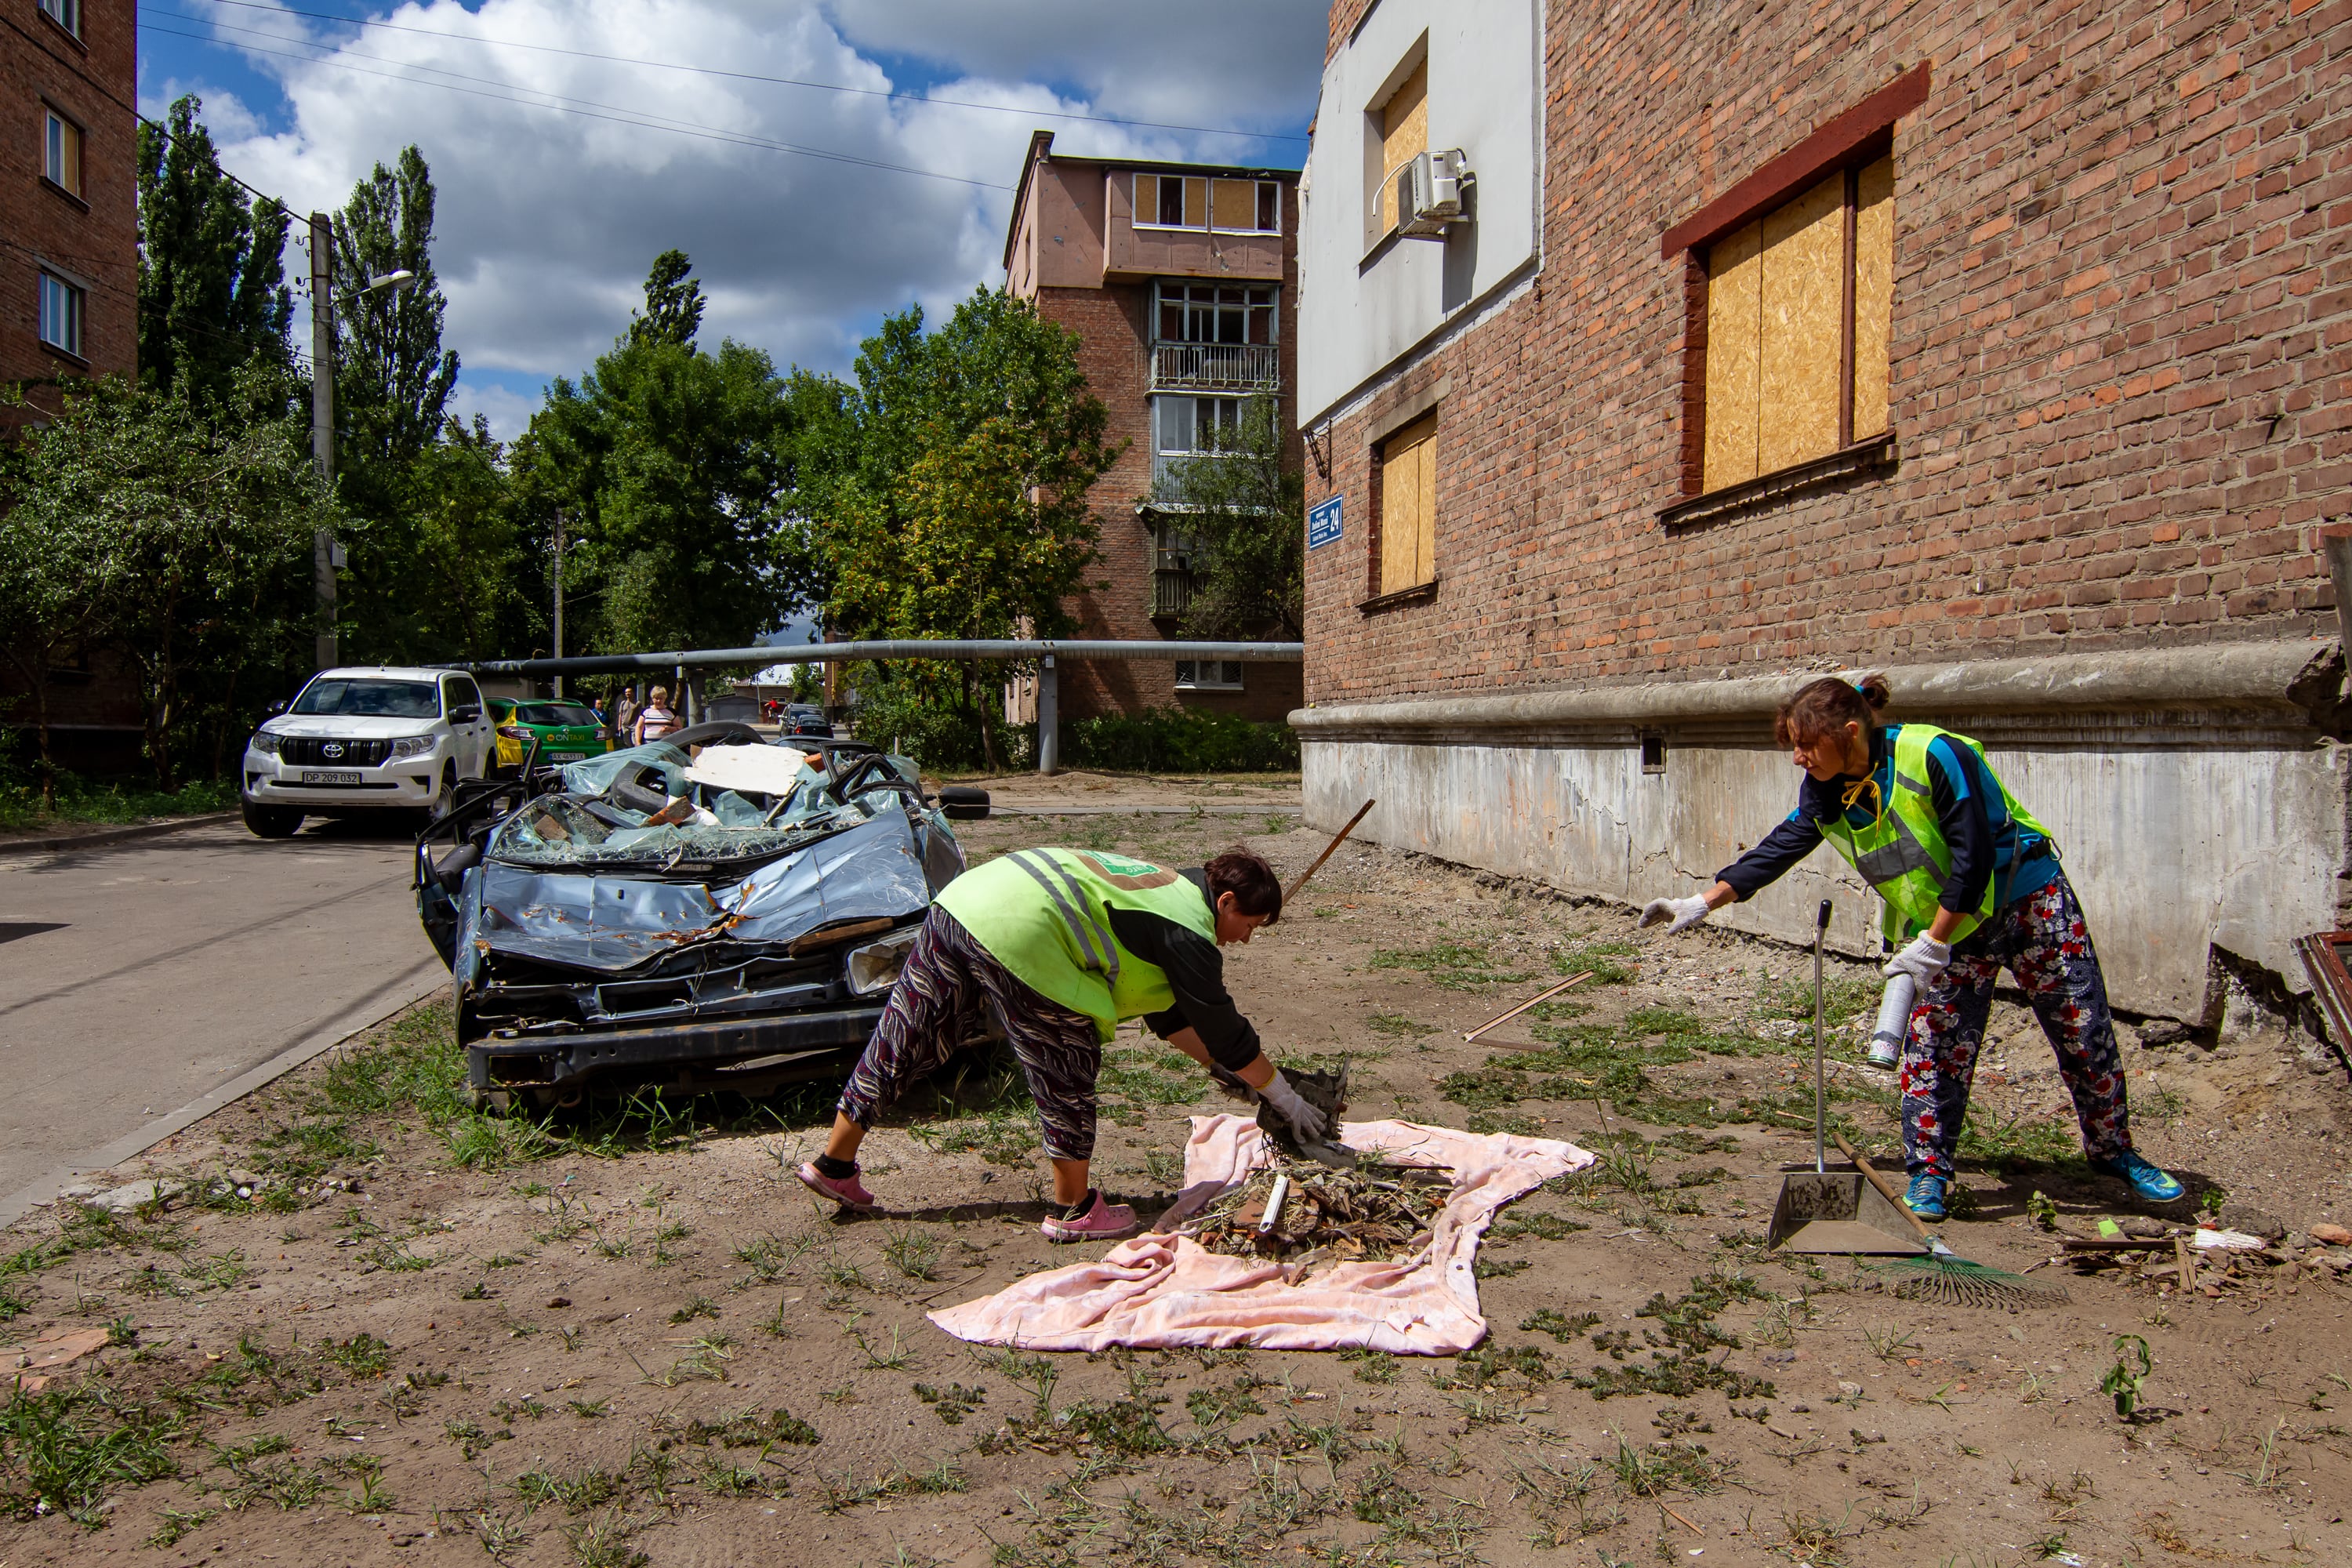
x=182, y=529
x=667, y=463
x=212, y=290
x=1242, y=506
x=393, y=377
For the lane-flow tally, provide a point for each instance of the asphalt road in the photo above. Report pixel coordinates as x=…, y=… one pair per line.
x=138, y=978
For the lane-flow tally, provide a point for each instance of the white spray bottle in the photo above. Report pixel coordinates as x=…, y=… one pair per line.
x=1893, y=1024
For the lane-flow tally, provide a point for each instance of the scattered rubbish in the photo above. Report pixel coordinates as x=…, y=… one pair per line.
x=2323, y=959
x=1327, y=1092
x=28, y=1367
x=1300, y=1212
x=2229, y=1240
x=1531, y=1002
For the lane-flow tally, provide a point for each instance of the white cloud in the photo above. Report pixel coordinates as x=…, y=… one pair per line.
x=547, y=221
x=225, y=114
x=507, y=410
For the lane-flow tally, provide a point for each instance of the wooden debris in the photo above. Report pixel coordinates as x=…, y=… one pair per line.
x=1376, y=1211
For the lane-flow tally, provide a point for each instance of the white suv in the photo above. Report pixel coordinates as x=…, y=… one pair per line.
x=362, y=740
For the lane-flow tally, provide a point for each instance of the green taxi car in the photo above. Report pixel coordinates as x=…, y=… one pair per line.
x=566, y=731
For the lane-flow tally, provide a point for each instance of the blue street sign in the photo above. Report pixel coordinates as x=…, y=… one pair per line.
x=1323, y=524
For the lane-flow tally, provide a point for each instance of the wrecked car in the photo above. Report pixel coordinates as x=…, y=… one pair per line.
x=708, y=911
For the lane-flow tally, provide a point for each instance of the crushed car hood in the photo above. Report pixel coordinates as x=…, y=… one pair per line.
x=610, y=921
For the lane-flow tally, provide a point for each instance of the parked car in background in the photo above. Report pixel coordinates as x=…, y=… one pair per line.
x=361, y=739
x=807, y=719
x=566, y=731
x=707, y=911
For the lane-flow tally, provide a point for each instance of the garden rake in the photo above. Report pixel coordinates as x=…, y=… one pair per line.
x=1943, y=1274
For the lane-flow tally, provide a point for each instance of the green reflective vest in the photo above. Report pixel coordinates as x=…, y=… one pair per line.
x=1903, y=854
x=1045, y=914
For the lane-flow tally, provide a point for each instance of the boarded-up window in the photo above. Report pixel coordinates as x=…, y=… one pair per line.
x=1190, y=201
x=1408, y=512
x=1404, y=136
x=1799, y=304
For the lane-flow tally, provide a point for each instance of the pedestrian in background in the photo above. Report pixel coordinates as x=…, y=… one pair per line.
x=655, y=720
x=625, y=717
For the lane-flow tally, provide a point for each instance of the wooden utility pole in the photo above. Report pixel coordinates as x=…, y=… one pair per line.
x=558, y=595
x=325, y=553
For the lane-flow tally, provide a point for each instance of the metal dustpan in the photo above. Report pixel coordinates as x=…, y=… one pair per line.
x=1822, y=1210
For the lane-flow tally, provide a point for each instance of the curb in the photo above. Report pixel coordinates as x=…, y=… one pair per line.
x=358, y=1018
x=112, y=835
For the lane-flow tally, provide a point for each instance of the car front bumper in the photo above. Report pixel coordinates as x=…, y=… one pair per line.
x=812, y=1043
x=407, y=784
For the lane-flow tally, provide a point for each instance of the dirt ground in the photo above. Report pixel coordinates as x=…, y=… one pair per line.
x=377, y=1327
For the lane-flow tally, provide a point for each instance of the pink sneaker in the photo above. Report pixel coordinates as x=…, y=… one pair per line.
x=846, y=1191
x=1107, y=1221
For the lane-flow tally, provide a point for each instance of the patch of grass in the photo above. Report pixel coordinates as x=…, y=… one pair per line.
x=1222, y=1405
x=740, y=1429
x=575, y=1490
x=950, y=1404
x=1611, y=962
x=1004, y=1138
x=1397, y=1026
x=64, y=1450
x=1451, y=966
x=1682, y=1346
x=844, y=1492
x=2013, y=1144
x=914, y=1253
x=1561, y=1327
x=701, y=1307
x=605, y=1542
x=1369, y=1365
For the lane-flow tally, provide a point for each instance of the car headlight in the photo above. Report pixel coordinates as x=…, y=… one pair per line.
x=410, y=746
x=873, y=968
x=265, y=742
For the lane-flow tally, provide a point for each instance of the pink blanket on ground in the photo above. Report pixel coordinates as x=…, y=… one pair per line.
x=1164, y=1288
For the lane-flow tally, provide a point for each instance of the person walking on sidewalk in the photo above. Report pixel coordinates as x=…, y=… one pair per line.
x=1971, y=886
x=1058, y=946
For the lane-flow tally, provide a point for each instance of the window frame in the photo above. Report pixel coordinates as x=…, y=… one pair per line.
x=1249, y=309
x=1846, y=144
x=1380, y=174
x=1209, y=182
x=1416, y=425
x=65, y=14
x=52, y=116
x=1196, y=398
x=1216, y=683
x=77, y=298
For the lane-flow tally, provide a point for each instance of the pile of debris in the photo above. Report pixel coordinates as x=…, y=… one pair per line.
x=1302, y=1211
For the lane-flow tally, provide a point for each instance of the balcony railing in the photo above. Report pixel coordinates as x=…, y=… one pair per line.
x=1171, y=591
x=1216, y=367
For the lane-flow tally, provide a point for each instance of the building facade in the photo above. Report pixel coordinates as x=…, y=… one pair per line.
x=69, y=191
x=2002, y=347
x=1181, y=281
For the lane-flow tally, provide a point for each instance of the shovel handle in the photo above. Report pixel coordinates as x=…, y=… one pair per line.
x=1886, y=1188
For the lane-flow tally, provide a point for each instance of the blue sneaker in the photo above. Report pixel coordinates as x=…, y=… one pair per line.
x=1926, y=1197
x=2146, y=1180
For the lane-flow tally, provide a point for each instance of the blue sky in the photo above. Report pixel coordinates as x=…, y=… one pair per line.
x=548, y=219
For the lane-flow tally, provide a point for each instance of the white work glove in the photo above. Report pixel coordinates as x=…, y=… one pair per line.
x=1923, y=960
x=1307, y=1123
x=1685, y=912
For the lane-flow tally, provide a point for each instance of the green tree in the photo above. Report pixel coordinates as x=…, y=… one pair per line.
x=185, y=523
x=946, y=495
x=212, y=291
x=1241, y=507
x=667, y=463
x=393, y=377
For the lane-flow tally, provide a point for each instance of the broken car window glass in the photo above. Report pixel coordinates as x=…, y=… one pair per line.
x=639, y=806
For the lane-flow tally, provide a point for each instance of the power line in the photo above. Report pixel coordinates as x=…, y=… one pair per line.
x=752, y=76
x=735, y=139
x=647, y=118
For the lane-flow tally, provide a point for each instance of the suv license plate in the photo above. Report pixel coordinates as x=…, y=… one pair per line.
x=319, y=777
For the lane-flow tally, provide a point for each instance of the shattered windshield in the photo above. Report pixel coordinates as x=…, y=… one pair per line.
x=369, y=699
x=654, y=803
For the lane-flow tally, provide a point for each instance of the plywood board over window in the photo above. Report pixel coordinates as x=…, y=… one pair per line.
x=1408, y=515
x=1404, y=136
x=1799, y=306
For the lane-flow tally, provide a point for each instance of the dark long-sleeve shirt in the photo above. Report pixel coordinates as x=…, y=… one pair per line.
x=1196, y=973
x=1987, y=846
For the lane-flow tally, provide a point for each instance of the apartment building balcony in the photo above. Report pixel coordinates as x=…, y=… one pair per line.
x=1216, y=367
x=1171, y=591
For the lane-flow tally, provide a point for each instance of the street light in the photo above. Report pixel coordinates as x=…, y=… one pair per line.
x=326, y=553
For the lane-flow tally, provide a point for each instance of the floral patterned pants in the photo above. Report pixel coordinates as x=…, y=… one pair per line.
x=935, y=1006
x=2043, y=940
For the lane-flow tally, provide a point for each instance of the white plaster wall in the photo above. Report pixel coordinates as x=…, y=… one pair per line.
x=2173, y=851
x=1486, y=97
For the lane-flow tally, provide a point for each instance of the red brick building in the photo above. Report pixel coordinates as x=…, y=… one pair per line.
x=2001, y=346
x=68, y=192
x=1180, y=280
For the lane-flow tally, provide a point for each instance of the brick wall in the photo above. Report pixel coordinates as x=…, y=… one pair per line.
x=2119, y=345
x=93, y=241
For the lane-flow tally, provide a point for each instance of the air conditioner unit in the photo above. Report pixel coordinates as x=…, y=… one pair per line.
x=1429, y=192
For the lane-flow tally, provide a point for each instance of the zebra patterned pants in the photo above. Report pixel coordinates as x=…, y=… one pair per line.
x=949, y=977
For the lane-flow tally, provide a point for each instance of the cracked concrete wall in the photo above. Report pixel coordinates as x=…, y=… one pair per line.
x=2216, y=819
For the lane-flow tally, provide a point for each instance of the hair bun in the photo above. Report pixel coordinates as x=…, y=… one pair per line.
x=1875, y=690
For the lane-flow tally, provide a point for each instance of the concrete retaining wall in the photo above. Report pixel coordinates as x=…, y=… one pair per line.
x=2196, y=798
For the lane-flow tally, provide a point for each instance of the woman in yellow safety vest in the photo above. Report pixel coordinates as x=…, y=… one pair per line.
x=1059, y=945
x=1971, y=886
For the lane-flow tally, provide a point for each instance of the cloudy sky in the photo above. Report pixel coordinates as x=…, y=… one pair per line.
x=824, y=163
